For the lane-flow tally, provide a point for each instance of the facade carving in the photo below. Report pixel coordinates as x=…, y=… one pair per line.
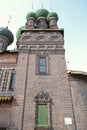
x=41, y=47
x=42, y=97
x=41, y=37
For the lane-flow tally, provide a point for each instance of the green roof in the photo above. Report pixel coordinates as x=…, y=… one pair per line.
x=18, y=34
x=52, y=14
x=7, y=33
x=42, y=13
x=31, y=14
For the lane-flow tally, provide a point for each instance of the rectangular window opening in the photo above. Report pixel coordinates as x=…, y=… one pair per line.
x=42, y=115
x=12, y=82
x=0, y=77
x=42, y=65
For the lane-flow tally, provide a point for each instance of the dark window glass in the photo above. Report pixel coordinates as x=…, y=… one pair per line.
x=0, y=76
x=42, y=65
x=12, y=83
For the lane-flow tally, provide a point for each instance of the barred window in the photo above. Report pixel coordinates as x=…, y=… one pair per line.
x=7, y=79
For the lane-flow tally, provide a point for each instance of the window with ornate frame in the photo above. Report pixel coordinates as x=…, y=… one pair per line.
x=42, y=64
x=43, y=110
x=7, y=79
x=7, y=82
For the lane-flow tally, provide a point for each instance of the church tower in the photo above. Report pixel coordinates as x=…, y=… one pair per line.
x=36, y=91
x=42, y=97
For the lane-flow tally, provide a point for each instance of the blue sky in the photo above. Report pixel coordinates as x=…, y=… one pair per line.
x=72, y=17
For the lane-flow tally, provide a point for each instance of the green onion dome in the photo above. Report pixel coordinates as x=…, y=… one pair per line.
x=18, y=34
x=31, y=14
x=52, y=14
x=7, y=33
x=42, y=13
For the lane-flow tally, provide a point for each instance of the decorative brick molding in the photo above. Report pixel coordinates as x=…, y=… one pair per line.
x=39, y=37
x=42, y=97
x=41, y=47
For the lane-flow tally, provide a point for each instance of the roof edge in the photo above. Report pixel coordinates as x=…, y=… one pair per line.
x=74, y=72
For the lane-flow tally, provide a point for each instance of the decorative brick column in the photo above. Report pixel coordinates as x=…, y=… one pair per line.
x=52, y=23
x=30, y=22
x=42, y=22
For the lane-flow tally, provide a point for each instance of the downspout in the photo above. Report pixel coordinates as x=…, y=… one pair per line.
x=22, y=122
x=73, y=109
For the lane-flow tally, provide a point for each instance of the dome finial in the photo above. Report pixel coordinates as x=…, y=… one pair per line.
x=9, y=21
x=32, y=6
x=51, y=8
x=42, y=4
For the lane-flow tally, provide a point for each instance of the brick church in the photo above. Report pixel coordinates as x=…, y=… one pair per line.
x=36, y=91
